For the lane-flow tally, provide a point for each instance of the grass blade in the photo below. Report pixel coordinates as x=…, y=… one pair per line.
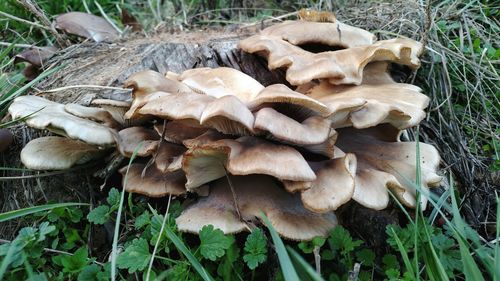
x=35, y=209
x=305, y=266
x=496, y=274
x=187, y=253
x=287, y=268
x=404, y=254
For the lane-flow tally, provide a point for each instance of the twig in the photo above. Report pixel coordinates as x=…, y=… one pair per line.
x=24, y=21
x=38, y=12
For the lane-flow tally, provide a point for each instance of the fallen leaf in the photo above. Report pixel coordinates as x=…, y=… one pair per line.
x=86, y=25
x=36, y=56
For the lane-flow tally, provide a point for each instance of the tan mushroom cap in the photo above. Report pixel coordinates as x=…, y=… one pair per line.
x=389, y=164
x=205, y=138
x=57, y=153
x=154, y=183
x=96, y=114
x=130, y=139
x=326, y=148
x=179, y=106
x=333, y=187
x=325, y=33
x=221, y=81
x=376, y=73
x=228, y=115
x=244, y=156
x=313, y=130
x=50, y=115
x=177, y=131
x=116, y=108
x=255, y=194
x=149, y=85
x=281, y=95
x=340, y=67
x=166, y=154
x=401, y=105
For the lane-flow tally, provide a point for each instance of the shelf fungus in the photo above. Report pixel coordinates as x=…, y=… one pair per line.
x=296, y=154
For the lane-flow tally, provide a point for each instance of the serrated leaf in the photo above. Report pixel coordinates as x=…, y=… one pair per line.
x=99, y=215
x=135, y=257
x=76, y=262
x=213, y=242
x=366, y=257
x=142, y=220
x=113, y=197
x=89, y=273
x=255, y=249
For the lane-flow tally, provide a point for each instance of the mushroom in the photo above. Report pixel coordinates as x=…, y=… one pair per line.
x=149, y=85
x=385, y=162
x=335, y=34
x=253, y=195
x=220, y=82
x=166, y=155
x=313, y=130
x=340, y=67
x=176, y=131
x=401, y=105
x=116, y=108
x=44, y=114
x=57, y=153
x=140, y=138
x=228, y=115
x=334, y=184
x=151, y=182
x=243, y=156
x=96, y=114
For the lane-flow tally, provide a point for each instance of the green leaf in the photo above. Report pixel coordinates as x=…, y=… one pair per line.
x=142, y=220
x=230, y=265
x=186, y=252
x=213, y=242
x=307, y=247
x=113, y=197
x=390, y=261
x=99, y=215
x=32, y=210
x=340, y=239
x=255, y=249
x=303, y=265
x=89, y=273
x=135, y=257
x=76, y=262
x=366, y=257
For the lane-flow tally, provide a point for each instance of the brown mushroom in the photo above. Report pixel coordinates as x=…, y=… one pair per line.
x=144, y=140
x=152, y=182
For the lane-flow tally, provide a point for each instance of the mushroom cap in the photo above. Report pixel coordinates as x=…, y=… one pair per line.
x=179, y=106
x=334, y=184
x=36, y=56
x=255, y=194
x=153, y=183
x=335, y=34
x=221, y=81
x=313, y=130
x=96, y=114
x=57, y=153
x=130, y=139
x=340, y=67
x=401, y=105
x=50, y=115
x=116, y=108
x=391, y=164
x=167, y=154
x=149, y=85
x=281, y=95
x=244, y=156
x=205, y=138
x=228, y=115
x=177, y=131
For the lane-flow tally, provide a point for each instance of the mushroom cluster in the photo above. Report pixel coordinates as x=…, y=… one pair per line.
x=294, y=153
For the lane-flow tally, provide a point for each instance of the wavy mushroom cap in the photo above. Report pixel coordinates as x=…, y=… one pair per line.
x=57, y=153
x=141, y=140
x=151, y=182
x=388, y=164
x=255, y=194
x=401, y=105
x=221, y=81
x=177, y=131
x=335, y=34
x=96, y=114
x=44, y=114
x=116, y=108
